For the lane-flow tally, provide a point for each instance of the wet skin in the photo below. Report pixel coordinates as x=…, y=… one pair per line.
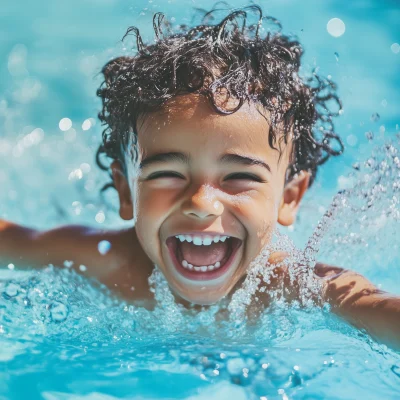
x=209, y=185
x=204, y=173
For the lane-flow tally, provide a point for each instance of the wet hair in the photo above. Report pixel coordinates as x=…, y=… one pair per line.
x=232, y=60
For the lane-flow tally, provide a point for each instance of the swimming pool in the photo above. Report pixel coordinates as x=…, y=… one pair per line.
x=65, y=337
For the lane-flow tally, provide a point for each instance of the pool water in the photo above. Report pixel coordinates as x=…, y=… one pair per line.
x=63, y=336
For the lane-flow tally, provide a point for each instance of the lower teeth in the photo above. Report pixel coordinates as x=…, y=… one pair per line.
x=203, y=268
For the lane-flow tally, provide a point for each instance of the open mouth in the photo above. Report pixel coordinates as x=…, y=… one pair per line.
x=202, y=257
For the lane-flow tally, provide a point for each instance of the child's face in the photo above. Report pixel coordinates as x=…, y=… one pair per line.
x=205, y=176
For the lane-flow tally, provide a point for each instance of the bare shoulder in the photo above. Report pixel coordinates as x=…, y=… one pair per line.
x=114, y=257
x=83, y=245
x=119, y=262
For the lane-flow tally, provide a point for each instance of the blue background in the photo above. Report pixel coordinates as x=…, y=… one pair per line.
x=52, y=51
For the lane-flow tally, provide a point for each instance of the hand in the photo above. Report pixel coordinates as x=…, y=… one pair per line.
x=344, y=288
x=341, y=288
x=362, y=304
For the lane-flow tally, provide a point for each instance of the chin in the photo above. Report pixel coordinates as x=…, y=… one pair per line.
x=202, y=299
x=204, y=293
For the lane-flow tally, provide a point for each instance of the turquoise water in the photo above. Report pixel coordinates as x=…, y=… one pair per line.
x=64, y=337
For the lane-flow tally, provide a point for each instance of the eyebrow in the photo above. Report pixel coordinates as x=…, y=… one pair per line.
x=165, y=157
x=243, y=160
x=185, y=159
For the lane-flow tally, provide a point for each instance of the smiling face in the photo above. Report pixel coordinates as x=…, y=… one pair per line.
x=209, y=192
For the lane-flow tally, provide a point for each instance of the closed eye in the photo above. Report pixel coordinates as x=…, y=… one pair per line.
x=164, y=174
x=245, y=176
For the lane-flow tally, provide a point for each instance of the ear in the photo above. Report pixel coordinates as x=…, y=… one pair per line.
x=292, y=195
x=124, y=191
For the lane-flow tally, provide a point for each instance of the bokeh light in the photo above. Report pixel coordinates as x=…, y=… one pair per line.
x=336, y=27
x=395, y=47
x=65, y=124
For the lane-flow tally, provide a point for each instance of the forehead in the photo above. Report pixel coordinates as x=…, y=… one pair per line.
x=189, y=123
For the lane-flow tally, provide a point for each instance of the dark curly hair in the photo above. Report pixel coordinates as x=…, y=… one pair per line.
x=229, y=59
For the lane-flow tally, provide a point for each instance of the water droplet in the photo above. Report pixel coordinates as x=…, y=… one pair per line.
x=65, y=124
x=337, y=56
x=85, y=167
x=68, y=264
x=100, y=217
x=87, y=124
x=58, y=311
x=375, y=117
x=235, y=366
x=369, y=135
x=395, y=47
x=336, y=27
x=352, y=140
x=104, y=247
x=11, y=290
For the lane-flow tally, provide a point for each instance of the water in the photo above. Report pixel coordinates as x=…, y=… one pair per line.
x=62, y=334
x=65, y=337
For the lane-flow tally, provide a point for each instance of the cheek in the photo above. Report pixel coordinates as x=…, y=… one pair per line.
x=150, y=215
x=153, y=204
x=152, y=209
x=256, y=209
x=259, y=214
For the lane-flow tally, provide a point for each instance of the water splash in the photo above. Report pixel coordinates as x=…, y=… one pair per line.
x=292, y=350
x=367, y=220
x=375, y=117
x=352, y=220
x=336, y=56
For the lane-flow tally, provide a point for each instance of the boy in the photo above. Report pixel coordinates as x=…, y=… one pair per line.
x=214, y=140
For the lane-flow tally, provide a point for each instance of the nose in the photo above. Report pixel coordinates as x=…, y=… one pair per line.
x=203, y=203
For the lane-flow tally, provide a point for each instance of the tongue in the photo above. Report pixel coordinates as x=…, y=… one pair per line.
x=203, y=255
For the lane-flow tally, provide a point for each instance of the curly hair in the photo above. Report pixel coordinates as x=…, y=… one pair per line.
x=229, y=59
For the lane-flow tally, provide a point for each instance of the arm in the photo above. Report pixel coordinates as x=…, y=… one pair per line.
x=124, y=266
x=357, y=300
x=28, y=247
x=351, y=296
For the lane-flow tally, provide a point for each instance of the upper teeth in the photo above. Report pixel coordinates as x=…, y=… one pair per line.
x=202, y=241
